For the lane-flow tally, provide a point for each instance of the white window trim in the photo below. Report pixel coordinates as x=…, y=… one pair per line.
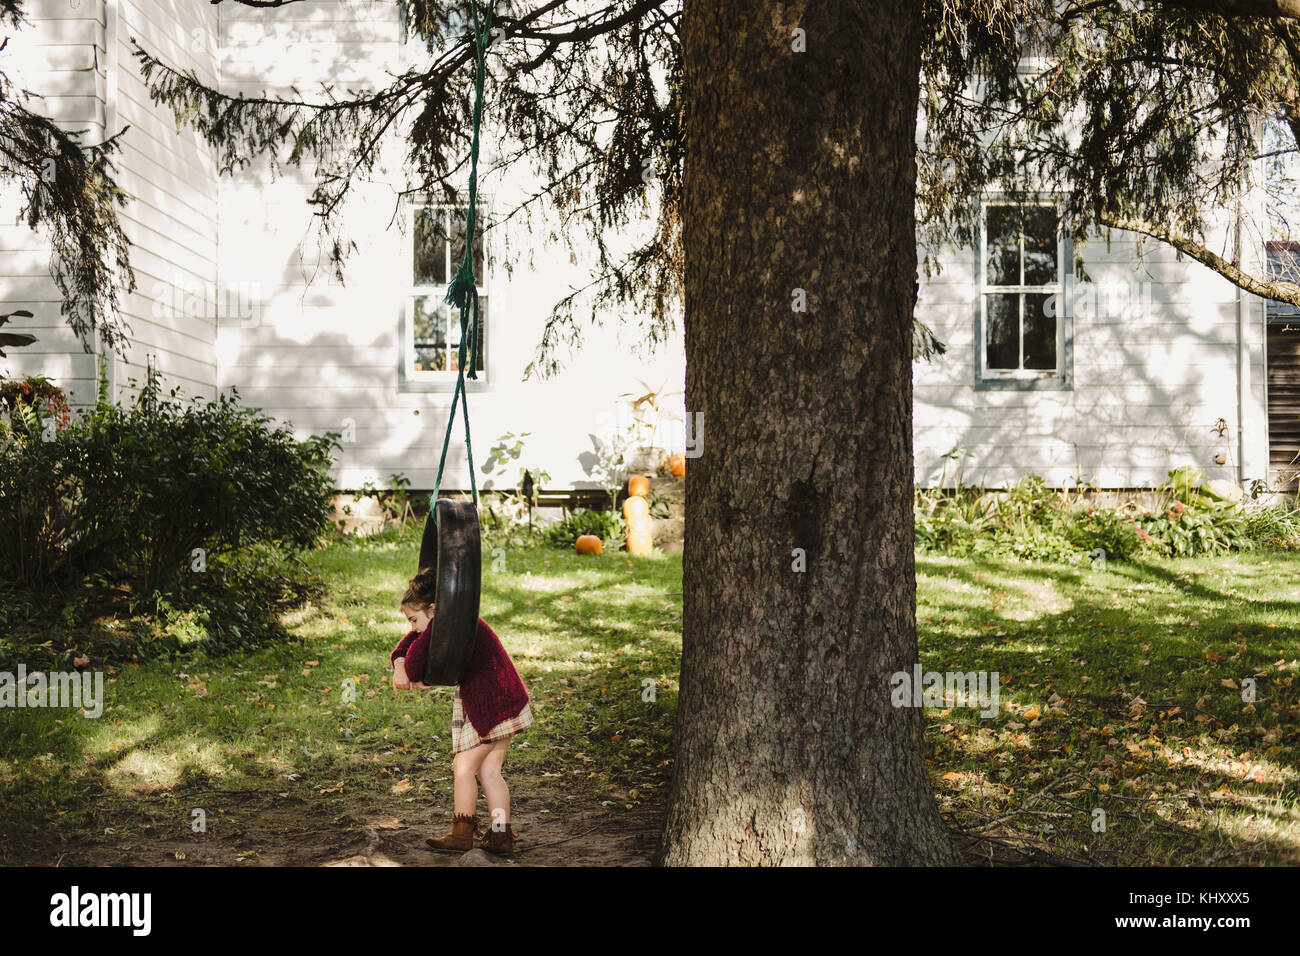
x=1061, y=376
x=411, y=291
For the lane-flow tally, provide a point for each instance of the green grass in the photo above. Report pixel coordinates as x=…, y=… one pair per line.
x=1122, y=692
x=585, y=633
x=1113, y=689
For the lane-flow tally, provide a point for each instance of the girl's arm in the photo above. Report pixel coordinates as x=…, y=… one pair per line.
x=401, y=648
x=400, y=680
x=415, y=651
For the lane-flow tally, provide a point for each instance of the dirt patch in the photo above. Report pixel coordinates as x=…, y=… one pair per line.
x=255, y=828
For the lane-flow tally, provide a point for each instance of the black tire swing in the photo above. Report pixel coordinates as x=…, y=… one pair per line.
x=451, y=542
x=451, y=546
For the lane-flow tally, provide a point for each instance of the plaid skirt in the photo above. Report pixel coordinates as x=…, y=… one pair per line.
x=465, y=737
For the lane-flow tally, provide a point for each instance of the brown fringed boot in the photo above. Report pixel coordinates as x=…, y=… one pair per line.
x=499, y=841
x=461, y=836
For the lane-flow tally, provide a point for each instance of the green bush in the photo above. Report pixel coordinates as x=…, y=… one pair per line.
x=154, y=491
x=1181, y=531
x=1191, y=520
x=952, y=523
x=1030, y=542
x=1114, y=533
x=1030, y=521
x=609, y=526
x=39, y=492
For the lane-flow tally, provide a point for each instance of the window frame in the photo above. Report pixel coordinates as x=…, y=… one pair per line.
x=413, y=380
x=1062, y=377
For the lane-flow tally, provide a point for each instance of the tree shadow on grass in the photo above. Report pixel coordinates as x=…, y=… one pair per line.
x=1131, y=680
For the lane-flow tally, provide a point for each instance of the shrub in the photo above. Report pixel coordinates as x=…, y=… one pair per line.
x=36, y=392
x=38, y=495
x=606, y=525
x=231, y=607
x=951, y=523
x=1192, y=521
x=1031, y=542
x=1180, y=531
x=137, y=491
x=1116, y=534
x=1028, y=503
x=1032, y=522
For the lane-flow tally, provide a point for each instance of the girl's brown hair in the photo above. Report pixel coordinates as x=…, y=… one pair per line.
x=422, y=589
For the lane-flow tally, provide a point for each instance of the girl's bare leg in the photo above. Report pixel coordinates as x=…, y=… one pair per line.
x=494, y=785
x=465, y=766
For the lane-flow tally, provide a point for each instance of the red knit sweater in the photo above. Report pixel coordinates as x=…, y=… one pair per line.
x=491, y=691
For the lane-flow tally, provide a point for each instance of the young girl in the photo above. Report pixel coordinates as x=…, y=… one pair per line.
x=489, y=707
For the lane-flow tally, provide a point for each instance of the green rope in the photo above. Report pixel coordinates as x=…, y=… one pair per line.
x=463, y=290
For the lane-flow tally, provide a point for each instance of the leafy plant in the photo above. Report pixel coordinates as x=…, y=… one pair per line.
x=647, y=411
x=157, y=490
x=1181, y=531
x=609, y=526
x=1276, y=528
x=14, y=339
x=1115, y=534
x=38, y=393
x=513, y=509
x=952, y=523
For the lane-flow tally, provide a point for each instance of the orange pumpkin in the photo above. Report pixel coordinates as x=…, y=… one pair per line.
x=634, y=508
x=589, y=544
x=638, y=485
x=677, y=465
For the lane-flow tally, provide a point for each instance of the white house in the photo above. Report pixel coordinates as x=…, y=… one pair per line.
x=1151, y=364
x=1155, y=364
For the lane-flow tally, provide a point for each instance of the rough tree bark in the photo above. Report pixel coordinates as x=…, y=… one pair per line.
x=800, y=175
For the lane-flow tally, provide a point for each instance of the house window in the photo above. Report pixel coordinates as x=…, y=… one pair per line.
x=437, y=249
x=1022, y=340
x=1282, y=260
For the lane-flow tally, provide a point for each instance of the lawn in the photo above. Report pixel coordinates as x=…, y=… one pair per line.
x=303, y=753
x=1121, y=691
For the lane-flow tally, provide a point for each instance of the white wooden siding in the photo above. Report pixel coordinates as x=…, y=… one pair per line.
x=1154, y=369
x=321, y=355
x=173, y=218
x=1148, y=384
x=54, y=56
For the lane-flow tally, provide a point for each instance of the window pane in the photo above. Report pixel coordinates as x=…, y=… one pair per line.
x=459, y=217
x=429, y=242
x=1040, y=331
x=1002, y=233
x=1040, y=245
x=454, y=352
x=429, y=317
x=1002, y=320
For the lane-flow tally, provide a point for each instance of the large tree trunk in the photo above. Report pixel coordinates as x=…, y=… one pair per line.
x=800, y=175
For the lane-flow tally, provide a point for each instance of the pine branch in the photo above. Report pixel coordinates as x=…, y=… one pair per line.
x=1289, y=9
x=70, y=196
x=1266, y=288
